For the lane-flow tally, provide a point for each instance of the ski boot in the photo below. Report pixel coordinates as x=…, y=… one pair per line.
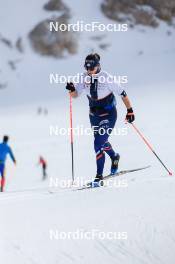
x=114, y=164
x=98, y=181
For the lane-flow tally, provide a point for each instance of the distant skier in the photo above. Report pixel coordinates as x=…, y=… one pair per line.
x=43, y=164
x=4, y=151
x=102, y=110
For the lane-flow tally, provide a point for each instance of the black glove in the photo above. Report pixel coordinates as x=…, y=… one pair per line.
x=70, y=86
x=130, y=117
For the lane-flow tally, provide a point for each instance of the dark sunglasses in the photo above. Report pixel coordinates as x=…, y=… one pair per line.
x=91, y=64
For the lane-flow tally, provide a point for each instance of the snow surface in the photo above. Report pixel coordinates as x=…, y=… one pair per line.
x=144, y=209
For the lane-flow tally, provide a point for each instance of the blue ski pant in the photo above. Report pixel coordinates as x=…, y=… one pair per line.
x=102, y=128
x=2, y=176
x=2, y=169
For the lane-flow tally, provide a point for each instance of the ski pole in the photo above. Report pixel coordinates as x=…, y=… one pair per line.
x=149, y=146
x=71, y=138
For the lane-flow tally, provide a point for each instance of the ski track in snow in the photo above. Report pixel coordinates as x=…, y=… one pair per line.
x=141, y=244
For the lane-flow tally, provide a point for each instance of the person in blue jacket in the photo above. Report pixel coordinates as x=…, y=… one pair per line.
x=4, y=151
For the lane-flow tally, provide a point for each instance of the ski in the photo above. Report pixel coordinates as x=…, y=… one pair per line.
x=109, y=176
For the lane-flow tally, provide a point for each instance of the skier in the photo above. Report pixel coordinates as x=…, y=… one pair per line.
x=4, y=150
x=102, y=110
x=43, y=164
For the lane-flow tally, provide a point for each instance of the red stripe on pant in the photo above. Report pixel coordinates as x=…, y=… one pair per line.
x=2, y=183
x=99, y=156
x=107, y=148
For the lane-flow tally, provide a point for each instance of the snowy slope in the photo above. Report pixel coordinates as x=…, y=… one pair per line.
x=144, y=209
x=141, y=211
x=154, y=67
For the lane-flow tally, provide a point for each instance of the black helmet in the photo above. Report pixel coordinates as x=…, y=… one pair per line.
x=92, y=61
